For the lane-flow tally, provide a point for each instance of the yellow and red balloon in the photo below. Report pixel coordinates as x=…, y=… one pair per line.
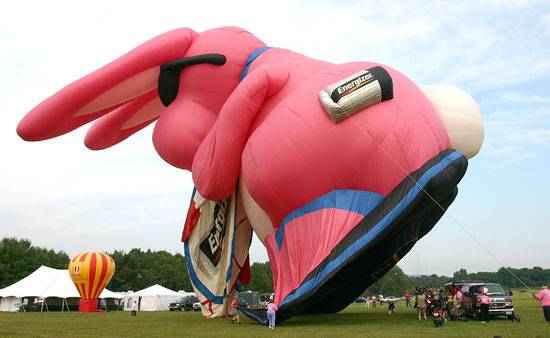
x=91, y=272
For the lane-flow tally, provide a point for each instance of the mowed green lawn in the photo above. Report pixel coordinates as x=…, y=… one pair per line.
x=354, y=321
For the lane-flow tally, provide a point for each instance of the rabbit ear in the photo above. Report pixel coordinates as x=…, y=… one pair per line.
x=131, y=76
x=124, y=121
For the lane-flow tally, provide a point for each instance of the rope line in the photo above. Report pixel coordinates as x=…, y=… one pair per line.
x=433, y=199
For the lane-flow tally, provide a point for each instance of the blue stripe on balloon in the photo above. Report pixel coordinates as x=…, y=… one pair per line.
x=361, y=202
x=376, y=230
x=251, y=59
x=196, y=281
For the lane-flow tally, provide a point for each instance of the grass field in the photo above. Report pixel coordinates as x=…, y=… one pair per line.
x=354, y=321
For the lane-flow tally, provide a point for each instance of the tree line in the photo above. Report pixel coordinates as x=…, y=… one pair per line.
x=135, y=270
x=139, y=269
x=396, y=282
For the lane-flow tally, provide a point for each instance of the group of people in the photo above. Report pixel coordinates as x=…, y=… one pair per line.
x=372, y=301
x=391, y=304
x=271, y=309
x=442, y=302
x=445, y=301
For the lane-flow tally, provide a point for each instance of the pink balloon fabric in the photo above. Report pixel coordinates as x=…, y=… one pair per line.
x=314, y=179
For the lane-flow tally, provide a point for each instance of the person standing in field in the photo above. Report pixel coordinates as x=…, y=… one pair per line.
x=544, y=297
x=485, y=303
x=367, y=302
x=134, y=308
x=421, y=305
x=271, y=308
x=458, y=296
x=373, y=299
x=235, y=305
x=408, y=298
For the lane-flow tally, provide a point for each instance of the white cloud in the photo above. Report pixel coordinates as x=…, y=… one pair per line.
x=515, y=135
x=517, y=97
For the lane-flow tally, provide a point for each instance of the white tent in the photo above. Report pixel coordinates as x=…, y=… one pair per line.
x=44, y=282
x=110, y=294
x=153, y=298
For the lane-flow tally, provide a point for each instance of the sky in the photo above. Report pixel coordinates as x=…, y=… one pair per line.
x=62, y=196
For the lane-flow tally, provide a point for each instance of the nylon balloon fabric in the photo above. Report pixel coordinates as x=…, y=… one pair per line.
x=336, y=199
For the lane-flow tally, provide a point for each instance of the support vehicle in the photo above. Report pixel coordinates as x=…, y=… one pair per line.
x=502, y=304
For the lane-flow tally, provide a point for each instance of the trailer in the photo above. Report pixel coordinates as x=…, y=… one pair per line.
x=249, y=298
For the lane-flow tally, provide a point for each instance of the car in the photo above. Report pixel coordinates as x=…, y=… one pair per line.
x=197, y=306
x=184, y=304
x=390, y=299
x=501, y=303
x=457, y=285
x=360, y=300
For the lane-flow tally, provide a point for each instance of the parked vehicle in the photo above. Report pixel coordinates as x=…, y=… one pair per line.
x=360, y=300
x=457, y=285
x=249, y=298
x=184, y=304
x=390, y=299
x=502, y=304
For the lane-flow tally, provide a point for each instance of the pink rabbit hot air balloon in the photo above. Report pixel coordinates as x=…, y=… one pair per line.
x=335, y=204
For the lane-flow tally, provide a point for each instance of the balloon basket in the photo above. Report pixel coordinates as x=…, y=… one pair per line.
x=88, y=305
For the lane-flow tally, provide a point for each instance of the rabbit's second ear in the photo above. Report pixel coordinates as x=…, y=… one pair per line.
x=124, y=121
x=169, y=78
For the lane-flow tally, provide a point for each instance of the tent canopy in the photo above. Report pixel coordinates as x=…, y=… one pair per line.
x=156, y=290
x=48, y=282
x=153, y=298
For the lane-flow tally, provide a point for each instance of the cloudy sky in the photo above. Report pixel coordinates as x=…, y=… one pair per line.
x=62, y=196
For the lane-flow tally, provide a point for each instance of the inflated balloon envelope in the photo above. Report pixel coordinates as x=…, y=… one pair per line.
x=336, y=205
x=91, y=272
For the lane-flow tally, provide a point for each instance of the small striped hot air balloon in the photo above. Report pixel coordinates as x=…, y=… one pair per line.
x=91, y=272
